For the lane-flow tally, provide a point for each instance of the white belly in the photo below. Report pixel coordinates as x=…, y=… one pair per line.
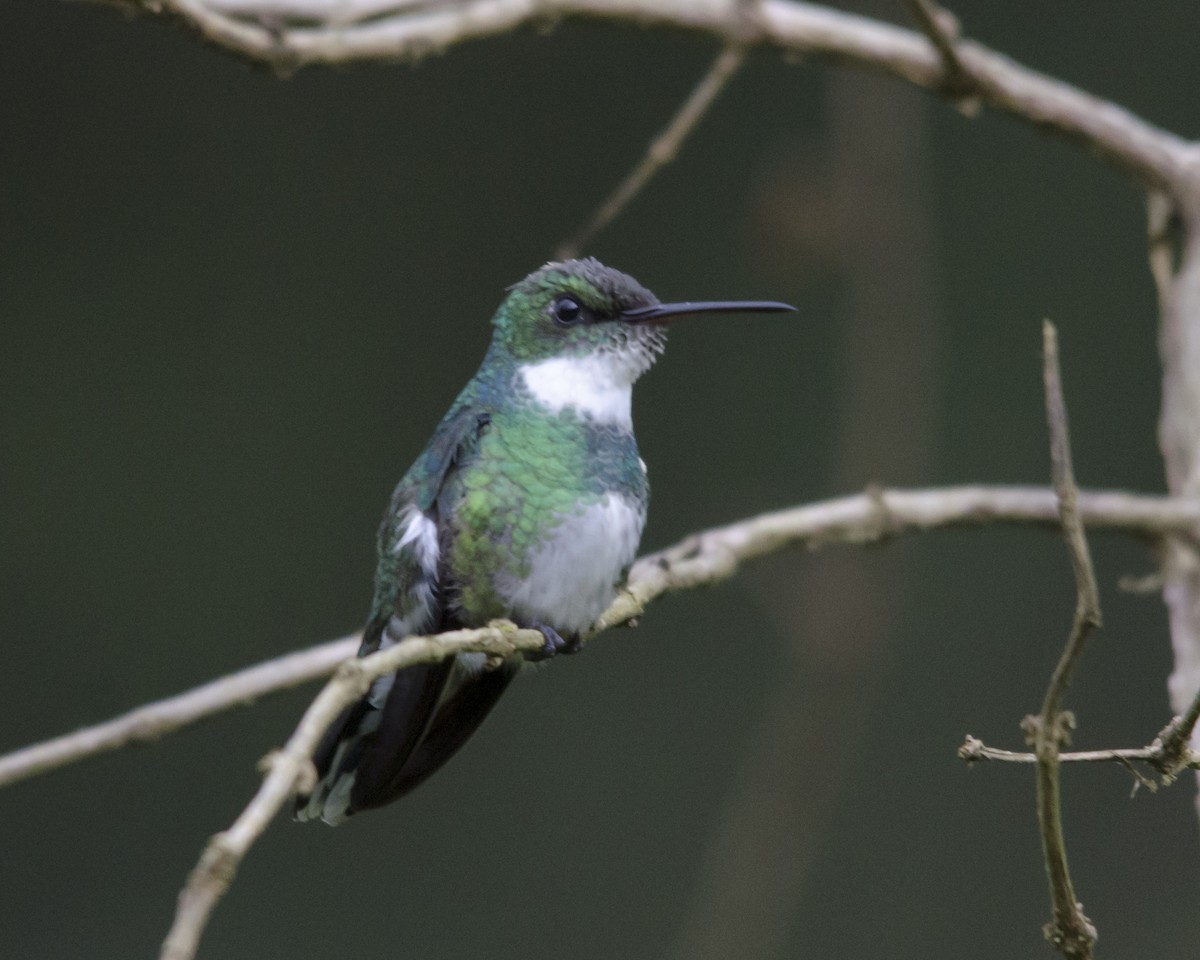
x=573, y=575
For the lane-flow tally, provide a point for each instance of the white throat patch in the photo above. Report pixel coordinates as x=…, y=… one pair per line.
x=599, y=385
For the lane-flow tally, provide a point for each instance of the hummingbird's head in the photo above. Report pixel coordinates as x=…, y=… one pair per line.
x=581, y=333
x=580, y=308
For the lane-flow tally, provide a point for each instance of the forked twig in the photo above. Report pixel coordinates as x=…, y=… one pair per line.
x=1168, y=753
x=958, y=83
x=290, y=770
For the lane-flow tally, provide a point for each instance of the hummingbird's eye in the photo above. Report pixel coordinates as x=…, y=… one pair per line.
x=567, y=311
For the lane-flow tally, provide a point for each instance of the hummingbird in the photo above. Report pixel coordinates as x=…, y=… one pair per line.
x=528, y=503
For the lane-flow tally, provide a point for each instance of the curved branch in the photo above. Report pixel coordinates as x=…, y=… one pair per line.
x=291, y=33
x=290, y=769
x=165, y=716
x=701, y=558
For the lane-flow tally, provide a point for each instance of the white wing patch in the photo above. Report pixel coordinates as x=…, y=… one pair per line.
x=421, y=536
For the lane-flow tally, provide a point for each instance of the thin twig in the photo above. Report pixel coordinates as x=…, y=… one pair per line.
x=663, y=149
x=1156, y=755
x=943, y=30
x=1087, y=604
x=1168, y=753
x=1175, y=740
x=154, y=720
x=290, y=770
x=862, y=518
x=1070, y=931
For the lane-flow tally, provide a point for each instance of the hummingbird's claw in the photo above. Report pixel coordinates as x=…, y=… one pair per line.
x=554, y=645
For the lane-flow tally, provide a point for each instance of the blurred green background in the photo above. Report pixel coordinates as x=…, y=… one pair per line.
x=232, y=308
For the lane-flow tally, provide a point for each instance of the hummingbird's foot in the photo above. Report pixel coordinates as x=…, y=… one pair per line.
x=555, y=644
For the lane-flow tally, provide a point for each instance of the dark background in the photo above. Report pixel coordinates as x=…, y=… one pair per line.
x=232, y=308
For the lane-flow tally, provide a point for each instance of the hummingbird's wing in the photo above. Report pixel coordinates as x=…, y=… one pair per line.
x=361, y=761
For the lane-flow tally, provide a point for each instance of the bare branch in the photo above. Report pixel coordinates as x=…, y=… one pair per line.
x=663, y=149
x=292, y=33
x=942, y=29
x=1168, y=753
x=1174, y=253
x=154, y=720
x=1071, y=931
x=863, y=518
x=290, y=769
x=1087, y=604
x=1174, y=741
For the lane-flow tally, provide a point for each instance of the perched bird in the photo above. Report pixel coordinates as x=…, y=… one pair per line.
x=528, y=503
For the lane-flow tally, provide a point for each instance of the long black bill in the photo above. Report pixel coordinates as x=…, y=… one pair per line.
x=666, y=312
